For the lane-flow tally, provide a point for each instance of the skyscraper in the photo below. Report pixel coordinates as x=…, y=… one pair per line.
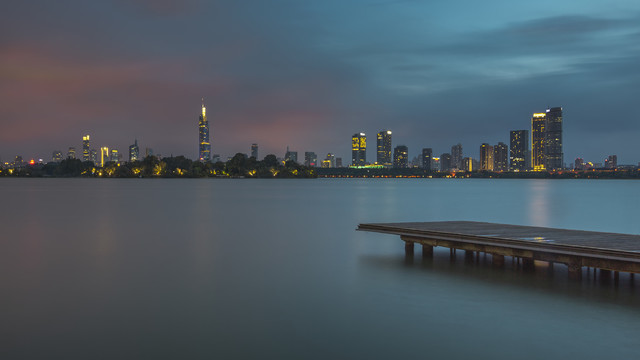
x=401, y=157
x=291, y=155
x=310, y=159
x=500, y=157
x=134, y=152
x=445, y=162
x=384, y=148
x=519, y=149
x=359, y=149
x=86, y=152
x=486, y=157
x=426, y=158
x=456, y=156
x=611, y=162
x=115, y=156
x=329, y=161
x=104, y=155
x=538, y=122
x=204, y=153
x=554, y=157
x=254, y=151
x=71, y=154
x=56, y=156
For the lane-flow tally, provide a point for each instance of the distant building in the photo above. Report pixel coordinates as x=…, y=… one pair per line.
x=554, y=156
x=215, y=158
x=115, y=156
x=500, y=157
x=359, y=149
x=611, y=162
x=467, y=164
x=134, y=152
x=445, y=162
x=93, y=156
x=384, y=148
x=456, y=156
x=204, y=146
x=329, y=161
x=86, y=151
x=104, y=155
x=338, y=162
x=56, y=156
x=291, y=155
x=254, y=151
x=538, y=122
x=486, y=157
x=71, y=154
x=401, y=157
x=426, y=158
x=519, y=150
x=148, y=152
x=579, y=164
x=310, y=159
x=435, y=164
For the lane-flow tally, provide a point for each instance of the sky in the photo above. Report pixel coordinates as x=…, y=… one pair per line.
x=309, y=74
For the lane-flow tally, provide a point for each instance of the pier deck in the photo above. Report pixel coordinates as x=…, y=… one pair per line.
x=574, y=248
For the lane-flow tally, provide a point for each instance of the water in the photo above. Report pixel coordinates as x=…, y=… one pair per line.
x=247, y=269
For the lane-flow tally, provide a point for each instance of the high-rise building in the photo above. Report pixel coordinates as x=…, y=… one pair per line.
x=291, y=155
x=359, y=149
x=500, y=157
x=611, y=162
x=456, y=156
x=254, y=151
x=467, y=164
x=56, y=156
x=578, y=164
x=134, y=152
x=93, y=156
x=86, y=151
x=104, y=155
x=426, y=158
x=115, y=156
x=204, y=146
x=71, y=154
x=486, y=157
x=384, y=148
x=148, y=152
x=445, y=162
x=554, y=157
x=435, y=164
x=401, y=157
x=538, y=124
x=329, y=161
x=519, y=150
x=338, y=162
x=310, y=159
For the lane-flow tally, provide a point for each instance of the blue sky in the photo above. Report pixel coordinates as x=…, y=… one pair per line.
x=310, y=74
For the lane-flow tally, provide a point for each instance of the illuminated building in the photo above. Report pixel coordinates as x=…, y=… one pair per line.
x=538, y=122
x=254, y=151
x=500, y=157
x=456, y=156
x=435, y=163
x=134, y=152
x=86, y=152
x=401, y=157
x=104, y=155
x=359, y=149
x=554, y=157
x=611, y=162
x=56, y=156
x=519, y=150
x=445, y=162
x=204, y=149
x=579, y=164
x=93, y=156
x=467, y=164
x=486, y=157
x=426, y=158
x=115, y=156
x=310, y=159
x=148, y=152
x=384, y=148
x=329, y=161
x=291, y=155
x=71, y=154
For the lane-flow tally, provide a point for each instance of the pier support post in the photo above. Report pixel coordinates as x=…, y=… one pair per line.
x=427, y=251
x=605, y=275
x=575, y=270
x=497, y=260
x=468, y=256
x=408, y=248
x=528, y=264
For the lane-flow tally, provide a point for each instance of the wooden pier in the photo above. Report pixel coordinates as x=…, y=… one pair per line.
x=609, y=252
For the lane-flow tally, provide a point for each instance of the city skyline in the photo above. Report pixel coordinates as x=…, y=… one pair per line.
x=280, y=75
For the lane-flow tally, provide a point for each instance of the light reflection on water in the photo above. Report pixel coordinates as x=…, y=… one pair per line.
x=259, y=268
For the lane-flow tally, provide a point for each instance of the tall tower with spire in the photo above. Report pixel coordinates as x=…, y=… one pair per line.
x=204, y=146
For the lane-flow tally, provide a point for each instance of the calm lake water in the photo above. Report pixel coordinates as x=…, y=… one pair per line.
x=254, y=269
